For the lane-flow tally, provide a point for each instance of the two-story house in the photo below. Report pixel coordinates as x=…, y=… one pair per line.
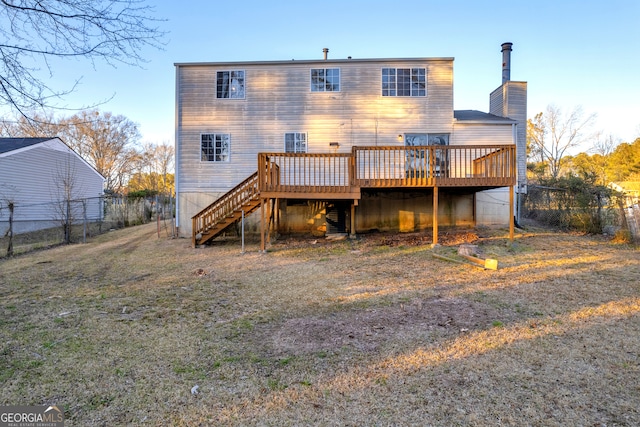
x=343, y=145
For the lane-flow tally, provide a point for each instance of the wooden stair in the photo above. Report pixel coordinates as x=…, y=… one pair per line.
x=210, y=222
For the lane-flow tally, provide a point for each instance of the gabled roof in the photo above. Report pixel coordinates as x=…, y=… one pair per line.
x=11, y=144
x=475, y=116
x=8, y=145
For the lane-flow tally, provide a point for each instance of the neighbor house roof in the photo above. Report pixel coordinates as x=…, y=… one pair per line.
x=475, y=116
x=11, y=144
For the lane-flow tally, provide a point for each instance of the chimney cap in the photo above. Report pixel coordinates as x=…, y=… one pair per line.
x=506, y=46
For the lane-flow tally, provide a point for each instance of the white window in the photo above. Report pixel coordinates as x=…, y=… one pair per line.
x=295, y=142
x=325, y=79
x=215, y=147
x=230, y=84
x=404, y=82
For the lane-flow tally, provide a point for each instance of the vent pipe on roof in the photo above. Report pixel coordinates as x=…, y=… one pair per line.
x=326, y=52
x=506, y=62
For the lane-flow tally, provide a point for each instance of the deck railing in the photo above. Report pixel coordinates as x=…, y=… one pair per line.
x=387, y=167
x=305, y=173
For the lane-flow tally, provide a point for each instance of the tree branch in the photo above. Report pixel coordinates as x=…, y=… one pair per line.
x=107, y=30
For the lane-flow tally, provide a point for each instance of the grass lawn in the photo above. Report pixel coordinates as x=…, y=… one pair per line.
x=132, y=329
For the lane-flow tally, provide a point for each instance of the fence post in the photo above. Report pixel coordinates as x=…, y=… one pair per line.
x=84, y=220
x=67, y=223
x=243, y=231
x=10, y=248
x=173, y=220
x=101, y=211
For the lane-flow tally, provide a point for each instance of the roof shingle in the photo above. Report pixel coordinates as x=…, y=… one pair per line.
x=10, y=144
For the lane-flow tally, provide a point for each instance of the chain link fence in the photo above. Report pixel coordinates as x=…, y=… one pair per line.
x=27, y=227
x=590, y=210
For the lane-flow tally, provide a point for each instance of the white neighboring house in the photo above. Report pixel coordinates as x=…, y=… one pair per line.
x=38, y=176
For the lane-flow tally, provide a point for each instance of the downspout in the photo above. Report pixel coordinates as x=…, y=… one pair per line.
x=177, y=145
x=518, y=207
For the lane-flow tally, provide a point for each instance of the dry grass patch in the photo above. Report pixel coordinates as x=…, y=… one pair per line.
x=373, y=331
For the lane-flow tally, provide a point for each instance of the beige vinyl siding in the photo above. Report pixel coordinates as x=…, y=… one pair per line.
x=517, y=109
x=278, y=99
x=477, y=133
x=510, y=100
x=497, y=101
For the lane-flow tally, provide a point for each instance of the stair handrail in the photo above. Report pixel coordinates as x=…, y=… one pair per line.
x=224, y=206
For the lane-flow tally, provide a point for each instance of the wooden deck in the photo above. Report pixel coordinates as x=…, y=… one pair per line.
x=343, y=175
x=335, y=176
x=332, y=176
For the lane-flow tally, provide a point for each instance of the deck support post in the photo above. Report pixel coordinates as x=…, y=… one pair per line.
x=268, y=225
x=271, y=209
x=276, y=206
x=435, y=215
x=353, y=219
x=262, y=209
x=194, y=226
x=511, y=212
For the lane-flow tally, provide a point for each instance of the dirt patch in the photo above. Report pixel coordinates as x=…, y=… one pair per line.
x=367, y=330
x=446, y=238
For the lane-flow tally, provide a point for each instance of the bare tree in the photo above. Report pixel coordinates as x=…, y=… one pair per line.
x=33, y=33
x=38, y=125
x=551, y=135
x=165, y=158
x=154, y=169
x=107, y=142
x=66, y=186
x=602, y=148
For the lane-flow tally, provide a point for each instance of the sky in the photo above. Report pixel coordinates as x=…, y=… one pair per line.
x=580, y=53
